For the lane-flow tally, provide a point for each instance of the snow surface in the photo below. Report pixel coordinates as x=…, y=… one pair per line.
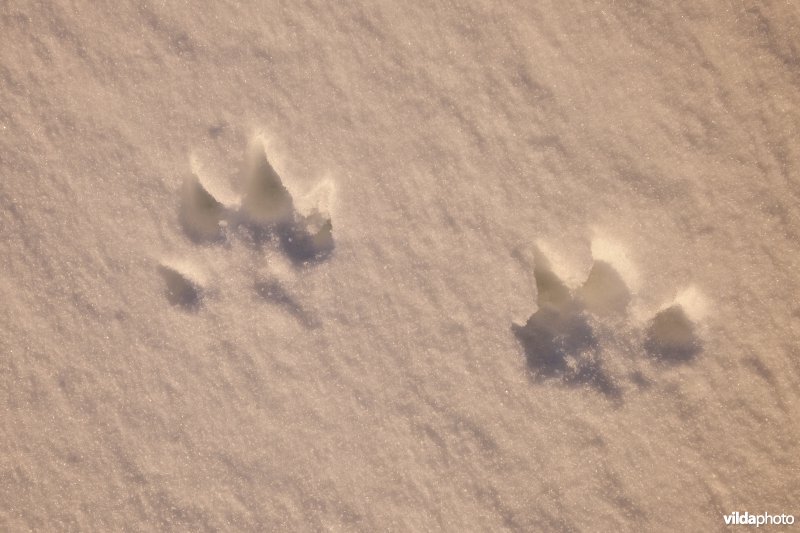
x=348, y=335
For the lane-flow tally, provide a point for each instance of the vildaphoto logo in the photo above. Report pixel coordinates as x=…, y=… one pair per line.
x=747, y=519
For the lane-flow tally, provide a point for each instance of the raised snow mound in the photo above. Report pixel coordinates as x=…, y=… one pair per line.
x=671, y=336
x=201, y=213
x=266, y=199
x=604, y=292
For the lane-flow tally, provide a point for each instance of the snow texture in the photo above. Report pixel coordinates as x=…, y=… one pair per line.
x=398, y=266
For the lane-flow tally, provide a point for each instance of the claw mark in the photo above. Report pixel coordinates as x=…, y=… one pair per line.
x=183, y=287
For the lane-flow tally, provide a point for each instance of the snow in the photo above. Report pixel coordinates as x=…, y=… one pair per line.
x=271, y=266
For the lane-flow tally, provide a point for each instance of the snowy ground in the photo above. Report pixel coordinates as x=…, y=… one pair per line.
x=515, y=193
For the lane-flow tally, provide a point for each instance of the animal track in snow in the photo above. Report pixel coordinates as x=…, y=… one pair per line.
x=184, y=286
x=267, y=210
x=569, y=337
x=267, y=213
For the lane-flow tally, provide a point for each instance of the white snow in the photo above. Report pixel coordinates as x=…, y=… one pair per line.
x=332, y=336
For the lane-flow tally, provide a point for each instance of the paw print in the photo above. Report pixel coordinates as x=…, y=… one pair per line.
x=568, y=338
x=267, y=215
